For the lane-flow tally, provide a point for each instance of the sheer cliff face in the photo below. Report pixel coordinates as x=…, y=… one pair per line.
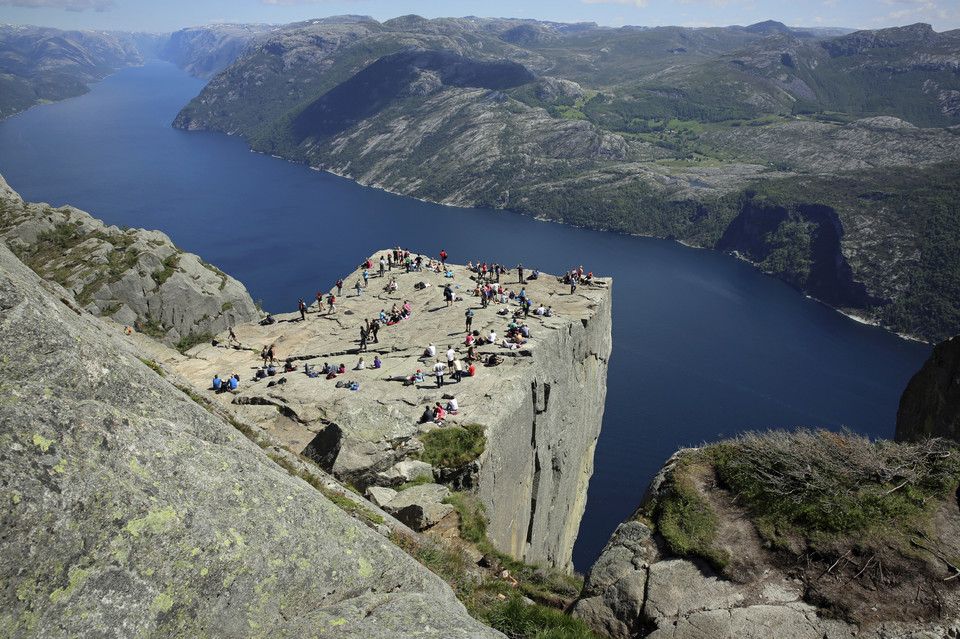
x=930, y=406
x=132, y=511
x=540, y=459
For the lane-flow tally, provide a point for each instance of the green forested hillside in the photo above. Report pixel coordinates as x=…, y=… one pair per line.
x=744, y=139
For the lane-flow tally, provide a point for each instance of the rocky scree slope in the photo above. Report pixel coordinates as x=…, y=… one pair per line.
x=131, y=510
x=541, y=410
x=666, y=132
x=133, y=276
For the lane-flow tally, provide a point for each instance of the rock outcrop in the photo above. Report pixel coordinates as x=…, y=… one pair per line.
x=130, y=510
x=134, y=276
x=930, y=406
x=541, y=409
x=639, y=588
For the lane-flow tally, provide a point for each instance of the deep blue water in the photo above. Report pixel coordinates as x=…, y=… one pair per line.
x=704, y=346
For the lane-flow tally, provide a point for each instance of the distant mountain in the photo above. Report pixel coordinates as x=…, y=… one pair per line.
x=40, y=65
x=705, y=135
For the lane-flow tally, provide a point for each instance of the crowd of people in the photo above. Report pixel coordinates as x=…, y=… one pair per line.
x=490, y=289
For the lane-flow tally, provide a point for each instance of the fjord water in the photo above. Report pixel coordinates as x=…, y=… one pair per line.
x=703, y=345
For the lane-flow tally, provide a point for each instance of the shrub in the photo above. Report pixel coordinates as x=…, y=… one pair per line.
x=819, y=483
x=190, y=340
x=453, y=447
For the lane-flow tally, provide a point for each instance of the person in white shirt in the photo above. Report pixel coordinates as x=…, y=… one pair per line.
x=438, y=369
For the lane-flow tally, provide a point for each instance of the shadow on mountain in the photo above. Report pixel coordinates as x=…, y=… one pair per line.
x=376, y=87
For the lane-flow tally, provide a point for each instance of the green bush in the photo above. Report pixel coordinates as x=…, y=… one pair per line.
x=190, y=340
x=819, y=484
x=453, y=447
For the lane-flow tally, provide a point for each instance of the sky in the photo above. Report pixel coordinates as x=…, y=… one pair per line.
x=170, y=15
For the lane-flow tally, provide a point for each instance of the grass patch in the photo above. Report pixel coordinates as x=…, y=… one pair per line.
x=155, y=367
x=472, y=513
x=151, y=327
x=419, y=480
x=452, y=447
x=515, y=618
x=170, y=265
x=685, y=520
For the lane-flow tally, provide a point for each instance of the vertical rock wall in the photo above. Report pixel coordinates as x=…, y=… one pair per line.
x=540, y=452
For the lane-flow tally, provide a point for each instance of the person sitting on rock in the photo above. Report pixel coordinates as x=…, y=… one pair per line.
x=439, y=413
x=453, y=406
x=360, y=365
x=494, y=360
x=428, y=415
x=492, y=337
x=430, y=351
x=376, y=362
x=418, y=376
x=343, y=368
x=266, y=321
x=217, y=382
x=234, y=381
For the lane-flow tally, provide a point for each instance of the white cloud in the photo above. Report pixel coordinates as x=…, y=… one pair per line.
x=70, y=5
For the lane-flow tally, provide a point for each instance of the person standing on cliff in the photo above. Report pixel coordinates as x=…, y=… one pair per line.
x=469, y=316
x=438, y=370
x=520, y=273
x=383, y=266
x=339, y=287
x=303, y=310
x=320, y=308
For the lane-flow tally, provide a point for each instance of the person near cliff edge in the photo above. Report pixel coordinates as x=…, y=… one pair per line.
x=438, y=369
x=303, y=310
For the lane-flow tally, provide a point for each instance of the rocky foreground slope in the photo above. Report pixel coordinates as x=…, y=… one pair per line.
x=541, y=410
x=134, y=276
x=132, y=511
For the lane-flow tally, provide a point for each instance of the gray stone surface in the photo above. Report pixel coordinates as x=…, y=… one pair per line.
x=541, y=409
x=381, y=496
x=420, y=506
x=112, y=271
x=132, y=511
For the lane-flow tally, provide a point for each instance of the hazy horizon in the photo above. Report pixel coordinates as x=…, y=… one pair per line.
x=172, y=15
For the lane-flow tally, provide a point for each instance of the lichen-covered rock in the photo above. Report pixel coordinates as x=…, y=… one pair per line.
x=136, y=277
x=129, y=510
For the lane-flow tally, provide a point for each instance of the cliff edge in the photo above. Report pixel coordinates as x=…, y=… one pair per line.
x=540, y=410
x=132, y=511
x=807, y=535
x=930, y=406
